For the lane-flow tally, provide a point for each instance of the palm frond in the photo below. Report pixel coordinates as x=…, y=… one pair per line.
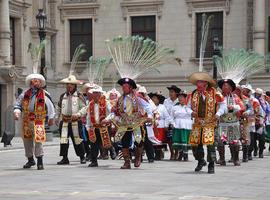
x=135, y=55
x=36, y=52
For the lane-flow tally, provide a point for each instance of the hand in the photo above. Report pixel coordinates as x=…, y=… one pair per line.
x=194, y=114
x=17, y=115
x=217, y=117
x=75, y=116
x=51, y=122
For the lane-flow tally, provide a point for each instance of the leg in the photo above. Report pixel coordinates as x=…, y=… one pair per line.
x=221, y=151
x=211, y=158
x=94, y=149
x=256, y=137
x=251, y=146
x=79, y=148
x=126, y=143
x=261, y=138
x=149, y=149
x=245, y=152
x=63, y=149
x=198, y=153
x=28, y=147
x=39, y=155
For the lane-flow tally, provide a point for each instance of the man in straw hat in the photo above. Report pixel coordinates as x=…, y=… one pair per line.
x=229, y=126
x=98, y=114
x=207, y=105
x=35, y=105
x=131, y=106
x=70, y=103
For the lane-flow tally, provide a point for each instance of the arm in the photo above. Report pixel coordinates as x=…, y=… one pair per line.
x=146, y=106
x=18, y=106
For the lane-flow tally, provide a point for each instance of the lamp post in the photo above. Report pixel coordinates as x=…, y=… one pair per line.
x=41, y=24
x=215, y=53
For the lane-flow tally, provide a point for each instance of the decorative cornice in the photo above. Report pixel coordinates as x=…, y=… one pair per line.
x=200, y=5
x=135, y=7
x=49, y=31
x=19, y=9
x=69, y=10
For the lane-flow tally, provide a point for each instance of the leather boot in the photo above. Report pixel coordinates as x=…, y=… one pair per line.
x=93, y=163
x=113, y=154
x=245, y=153
x=40, y=163
x=31, y=162
x=221, y=150
x=64, y=161
x=231, y=159
x=236, y=155
x=211, y=168
x=126, y=156
x=138, y=156
x=201, y=164
x=185, y=156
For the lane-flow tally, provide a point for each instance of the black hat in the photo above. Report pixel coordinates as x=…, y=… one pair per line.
x=174, y=88
x=229, y=81
x=160, y=97
x=128, y=81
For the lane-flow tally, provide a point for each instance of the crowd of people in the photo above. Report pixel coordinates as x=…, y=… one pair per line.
x=99, y=123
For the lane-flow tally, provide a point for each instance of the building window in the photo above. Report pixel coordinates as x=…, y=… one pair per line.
x=81, y=33
x=215, y=30
x=12, y=41
x=144, y=26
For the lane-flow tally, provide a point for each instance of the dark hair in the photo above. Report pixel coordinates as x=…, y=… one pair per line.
x=19, y=91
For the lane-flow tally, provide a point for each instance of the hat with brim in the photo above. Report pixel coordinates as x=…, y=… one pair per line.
x=184, y=94
x=174, y=88
x=201, y=76
x=229, y=81
x=259, y=91
x=142, y=89
x=71, y=79
x=96, y=88
x=129, y=81
x=87, y=86
x=248, y=87
x=160, y=97
x=35, y=76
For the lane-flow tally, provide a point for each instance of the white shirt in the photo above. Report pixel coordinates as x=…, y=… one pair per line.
x=182, y=117
x=164, y=117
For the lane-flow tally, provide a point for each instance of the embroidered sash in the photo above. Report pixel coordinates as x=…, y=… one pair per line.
x=37, y=117
x=203, y=128
x=104, y=134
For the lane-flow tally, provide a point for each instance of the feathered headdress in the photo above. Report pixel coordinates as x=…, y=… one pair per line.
x=135, y=55
x=97, y=68
x=79, y=51
x=36, y=52
x=237, y=64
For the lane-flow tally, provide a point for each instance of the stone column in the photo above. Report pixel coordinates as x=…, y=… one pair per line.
x=259, y=33
x=5, y=31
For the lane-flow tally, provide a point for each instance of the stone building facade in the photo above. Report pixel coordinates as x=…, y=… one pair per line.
x=239, y=24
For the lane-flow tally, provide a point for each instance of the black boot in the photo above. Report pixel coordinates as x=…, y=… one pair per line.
x=245, y=153
x=236, y=155
x=83, y=160
x=200, y=165
x=185, y=156
x=64, y=161
x=93, y=163
x=221, y=151
x=250, y=153
x=211, y=168
x=113, y=154
x=31, y=162
x=40, y=163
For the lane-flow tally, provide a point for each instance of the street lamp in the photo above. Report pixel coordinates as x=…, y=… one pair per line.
x=41, y=24
x=215, y=53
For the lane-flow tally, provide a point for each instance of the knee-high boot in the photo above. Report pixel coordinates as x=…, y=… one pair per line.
x=245, y=153
x=138, y=156
x=236, y=155
x=126, y=156
x=221, y=151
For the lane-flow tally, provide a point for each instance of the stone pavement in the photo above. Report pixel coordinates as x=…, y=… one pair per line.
x=165, y=180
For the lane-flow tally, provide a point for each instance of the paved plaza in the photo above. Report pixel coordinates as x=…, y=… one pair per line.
x=159, y=180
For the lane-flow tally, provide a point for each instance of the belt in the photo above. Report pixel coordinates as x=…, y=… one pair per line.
x=68, y=118
x=32, y=116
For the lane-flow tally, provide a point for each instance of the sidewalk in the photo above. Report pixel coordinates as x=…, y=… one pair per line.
x=17, y=143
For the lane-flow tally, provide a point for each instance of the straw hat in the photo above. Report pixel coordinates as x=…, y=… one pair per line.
x=70, y=79
x=201, y=76
x=35, y=76
x=113, y=91
x=87, y=86
x=96, y=88
x=142, y=89
x=259, y=91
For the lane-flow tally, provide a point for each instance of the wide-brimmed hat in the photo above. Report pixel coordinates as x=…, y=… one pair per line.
x=142, y=89
x=229, y=81
x=160, y=97
x=247, y=86
x=259, y=91
x=87, y=86
x=96, y=88
x=113, y=91
x=201, y=76
x=35, y=76
x=70, y=79
x=174, y=88
x=129, y=81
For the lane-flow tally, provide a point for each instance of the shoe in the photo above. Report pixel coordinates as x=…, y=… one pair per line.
x=31, y=162
x=249, y=157
x=185, y=157
x=40, y=163
x=126, y=157
x=260, y=155
x=200, y=165
x=113, y=154
x=64, y=161
x=83, y=160
x=88, y=157
x=211, y=168
x=150, y=160
x=93, y=164
x=255, y=153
